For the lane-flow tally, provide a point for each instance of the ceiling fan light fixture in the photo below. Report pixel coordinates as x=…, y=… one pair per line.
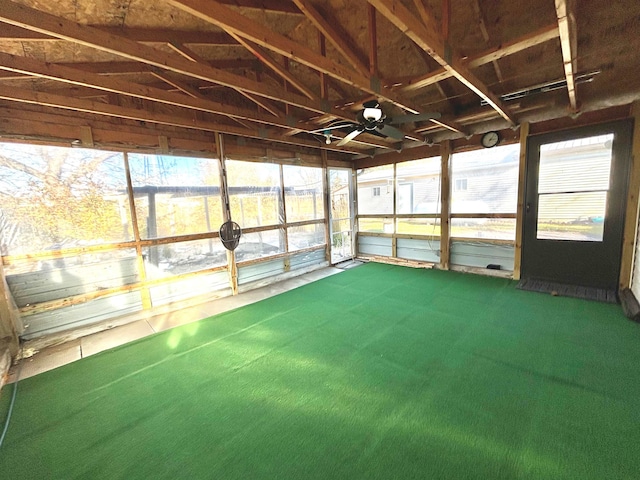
x=372, y=114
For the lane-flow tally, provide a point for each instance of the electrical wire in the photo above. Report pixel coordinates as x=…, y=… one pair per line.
x=12, y=403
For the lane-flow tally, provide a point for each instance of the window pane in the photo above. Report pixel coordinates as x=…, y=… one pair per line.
x=375, y=190
x=184, y=257
x=341, y=225
x=305, y=236
x=418, y=186
x=485, y=181
x=55, y=197
x=572, y=216
x=303, y=193
x=377, y=225
x=260, y=244
x=492, y=228
x=175, y=195
x=254, y=193
x=419, y=226
x=578, y=165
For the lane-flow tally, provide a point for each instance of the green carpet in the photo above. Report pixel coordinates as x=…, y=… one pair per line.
x=379, y=372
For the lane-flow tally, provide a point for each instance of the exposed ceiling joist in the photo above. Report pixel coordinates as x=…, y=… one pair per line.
x=270, y=62
x=28, y=66
x=566, y=13
x=231, y=21
x=482, y=23
x=181, y=86
x=87, y=106
x=19, y=15
x=339, y=41
x=542, y=35
x=146, y=35
x=429, y=39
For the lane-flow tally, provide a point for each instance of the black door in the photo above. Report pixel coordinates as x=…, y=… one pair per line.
x=576, y=189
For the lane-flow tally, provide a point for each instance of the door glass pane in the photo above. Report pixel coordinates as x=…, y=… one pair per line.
x=573, y=182
x=572, y=216
x=341, y=220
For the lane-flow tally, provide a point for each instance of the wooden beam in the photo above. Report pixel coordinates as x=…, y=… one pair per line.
x=630, y=238
x=183, y=87
x=566, y=13
x=446, y=19
x=146, y=35
x=545, y=34
x=373, y=41
x=338, y=40
x=67, y=103
x=445, y=204
x=231, y=21
x=522, y=176
x=482, y=23
x=270, y=62
x=19, y=15
x=72, y=76
x=429, y=39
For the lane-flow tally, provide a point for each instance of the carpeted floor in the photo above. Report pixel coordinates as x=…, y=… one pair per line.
x=380, y=372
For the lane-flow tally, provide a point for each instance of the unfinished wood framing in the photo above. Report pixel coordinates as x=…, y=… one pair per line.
x=445, y=205
x=522, y=171
x=629, y=239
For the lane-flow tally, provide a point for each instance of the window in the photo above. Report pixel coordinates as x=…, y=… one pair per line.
x=376, y=191
x=485, y=182
x=372, y=182
x=461, y=184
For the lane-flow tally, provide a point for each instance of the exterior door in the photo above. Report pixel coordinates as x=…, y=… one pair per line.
x=575, y=204
x=340, y=214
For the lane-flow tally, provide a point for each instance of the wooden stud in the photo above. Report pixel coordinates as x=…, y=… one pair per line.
x=283, y=203
x=522, y=177
x=9, y=316
x=232, y=267
x=327, y=204
x=163, y=143
x=445, y=204
x=86, y=137
x=144, y=292
x=629, y=239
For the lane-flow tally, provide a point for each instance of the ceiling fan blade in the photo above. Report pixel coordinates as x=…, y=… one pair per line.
x=334, y=127
x=420, y=117
x=390, y=131
x=350, y=137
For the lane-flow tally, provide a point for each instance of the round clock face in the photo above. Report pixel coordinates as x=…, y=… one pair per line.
x=490, y=139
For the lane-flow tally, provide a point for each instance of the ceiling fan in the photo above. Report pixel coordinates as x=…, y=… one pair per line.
x=372, y=118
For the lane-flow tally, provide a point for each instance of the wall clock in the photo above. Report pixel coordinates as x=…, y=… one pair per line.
x=490, y=139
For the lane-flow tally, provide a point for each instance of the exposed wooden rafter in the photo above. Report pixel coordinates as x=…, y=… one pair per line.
x=87, y=106
x=482, y=23
x=189, y=54
x=271, y=62
x=430, y=40
x=565, y=11
x=338, y=40
x=542, y=35
x=231, y=21
x=28, y=66
x=19, y=15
